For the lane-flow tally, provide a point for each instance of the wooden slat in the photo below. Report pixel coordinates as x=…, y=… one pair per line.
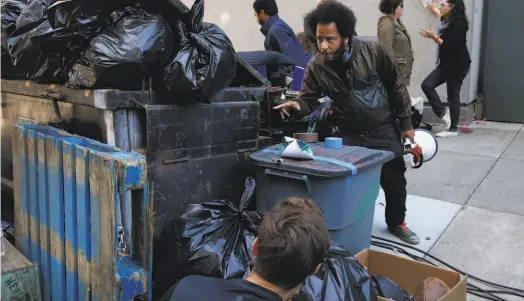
x=21, y=205
x=83, y=222
x=71, y=241
x=32, y=176
x=45, y=263
x=95, y=163
x=108, y=198
x=56, y=217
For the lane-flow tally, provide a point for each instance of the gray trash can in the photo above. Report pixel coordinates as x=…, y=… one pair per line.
x=344, y=183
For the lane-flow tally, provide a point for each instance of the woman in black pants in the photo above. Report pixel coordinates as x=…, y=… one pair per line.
x=453, y=62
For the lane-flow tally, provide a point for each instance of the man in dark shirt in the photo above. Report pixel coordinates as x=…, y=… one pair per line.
x=292, y=242
x=280, y=37
x=371, y=103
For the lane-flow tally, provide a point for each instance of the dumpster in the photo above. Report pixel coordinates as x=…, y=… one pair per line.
x=344, y=183
x=194, y=153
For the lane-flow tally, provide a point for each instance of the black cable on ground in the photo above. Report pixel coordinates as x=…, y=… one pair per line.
x=450, y=266
x=472, y=289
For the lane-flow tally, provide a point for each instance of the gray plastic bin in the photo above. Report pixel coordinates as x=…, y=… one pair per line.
x=343, y=182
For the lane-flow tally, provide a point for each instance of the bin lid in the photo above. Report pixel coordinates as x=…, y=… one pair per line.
x=346, y=161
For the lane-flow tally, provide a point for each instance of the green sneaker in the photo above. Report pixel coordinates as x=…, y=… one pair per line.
x=404, y=233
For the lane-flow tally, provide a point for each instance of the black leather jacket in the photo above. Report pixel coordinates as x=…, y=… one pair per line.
x=372, y=92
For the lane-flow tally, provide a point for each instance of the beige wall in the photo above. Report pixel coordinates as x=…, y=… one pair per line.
x=237, y=19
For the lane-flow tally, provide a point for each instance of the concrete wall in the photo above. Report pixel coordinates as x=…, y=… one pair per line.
x=236, y=17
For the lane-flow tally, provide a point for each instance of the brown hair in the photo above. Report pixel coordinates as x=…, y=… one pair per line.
x=304, y=42
x=292, y=242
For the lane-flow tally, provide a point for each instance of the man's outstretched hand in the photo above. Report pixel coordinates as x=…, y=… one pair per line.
x=410, y=135
x=287, y=107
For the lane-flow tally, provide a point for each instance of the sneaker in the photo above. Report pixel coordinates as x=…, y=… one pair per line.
x=447, y=119
x=447, y=134
x=405, y=234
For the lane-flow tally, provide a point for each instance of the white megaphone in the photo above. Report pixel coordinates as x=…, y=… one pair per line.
x=423, y=150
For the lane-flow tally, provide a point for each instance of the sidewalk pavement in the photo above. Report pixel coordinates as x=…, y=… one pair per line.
x=467, y=204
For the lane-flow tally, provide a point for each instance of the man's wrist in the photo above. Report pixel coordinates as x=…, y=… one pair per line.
x=405, y=124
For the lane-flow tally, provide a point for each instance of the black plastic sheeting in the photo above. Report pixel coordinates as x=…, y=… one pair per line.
x=10, y=11
x=204, y=59
x=341, y=278
x=35, y=11
x=221, y=236
x=45, y=54
x=136, y=45
x=388, y=289
x=70, y=24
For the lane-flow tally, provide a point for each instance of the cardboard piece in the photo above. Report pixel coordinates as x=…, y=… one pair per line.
x=408, y=274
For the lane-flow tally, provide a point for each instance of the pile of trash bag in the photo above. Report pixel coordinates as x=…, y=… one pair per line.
x=120, y=44
x=221, y=236
x=204, y=59
x=341, y=278
x=44, y=52
x=136, y=44
x=10, y=12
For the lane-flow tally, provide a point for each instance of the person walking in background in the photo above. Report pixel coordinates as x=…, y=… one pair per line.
x=453, y=62
x=392, y=32
x=280, y=37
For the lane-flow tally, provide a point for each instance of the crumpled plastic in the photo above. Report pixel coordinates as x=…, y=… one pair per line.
x=221, y=236
x=135, y=46
x=10, y=11
x=63, y=13
x=204, y=61
x=341, y=278
x=44, y=54
x=35, y=11
x=388, y=289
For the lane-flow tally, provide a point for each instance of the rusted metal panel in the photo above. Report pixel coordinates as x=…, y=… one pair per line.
x=67, y=197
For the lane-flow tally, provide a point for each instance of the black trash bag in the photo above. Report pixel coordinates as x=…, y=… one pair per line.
x=341, y=278
x=135, y=46
x=204, y=60
x=35, y=11
x=388, y=289
x=64, y=13
x=10, y=11
x=221, y=236
x=46, y=55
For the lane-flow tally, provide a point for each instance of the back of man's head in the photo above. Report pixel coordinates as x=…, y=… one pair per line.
x=292, y=241
x=268, y=6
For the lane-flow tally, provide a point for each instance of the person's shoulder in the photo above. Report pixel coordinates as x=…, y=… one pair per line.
x=194, y=281
x=191, y=287
x=385, y=21
x=366, y=42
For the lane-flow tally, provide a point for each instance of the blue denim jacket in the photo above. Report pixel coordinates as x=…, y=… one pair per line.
x=280, y=37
